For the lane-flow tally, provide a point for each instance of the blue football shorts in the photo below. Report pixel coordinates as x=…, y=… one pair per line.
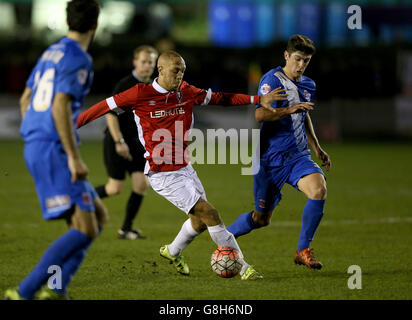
x=268, y=182
x=47, y=163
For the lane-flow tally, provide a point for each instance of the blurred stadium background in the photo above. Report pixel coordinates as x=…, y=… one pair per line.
x=364, y=82
x=363, y=113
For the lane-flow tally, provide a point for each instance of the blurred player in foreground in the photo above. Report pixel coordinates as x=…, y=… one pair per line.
x=284, y=153
x=164, y=117
x=49, y=106
x=122, y=148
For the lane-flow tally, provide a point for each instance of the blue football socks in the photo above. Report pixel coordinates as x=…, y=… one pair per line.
x=72, y=264
x=57, y=253
x=243, y=225
x=311, y=216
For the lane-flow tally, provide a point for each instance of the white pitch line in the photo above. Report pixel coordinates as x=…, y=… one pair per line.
x=389, y=220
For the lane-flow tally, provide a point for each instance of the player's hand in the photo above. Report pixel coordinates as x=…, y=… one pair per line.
x=324, y=157
x=275, y=95
x=78, y=169
x=122, y=150
x=301, y=106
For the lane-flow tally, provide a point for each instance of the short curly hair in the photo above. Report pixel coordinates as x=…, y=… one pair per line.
x=302, y=43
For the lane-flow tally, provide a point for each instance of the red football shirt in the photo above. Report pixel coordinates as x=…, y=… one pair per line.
x=164, y=118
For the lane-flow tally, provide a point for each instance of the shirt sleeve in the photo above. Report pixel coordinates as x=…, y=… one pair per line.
x=123, y=100
x=312, y=92
x=119, y=87
x=93, y=113
x=72, y=76
x=208, y=97
x=266, y=85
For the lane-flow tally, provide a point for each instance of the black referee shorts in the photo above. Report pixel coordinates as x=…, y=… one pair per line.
x=116, y=165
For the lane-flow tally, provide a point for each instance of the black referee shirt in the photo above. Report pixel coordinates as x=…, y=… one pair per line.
x=126, y=119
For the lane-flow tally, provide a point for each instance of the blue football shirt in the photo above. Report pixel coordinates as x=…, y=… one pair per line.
x=285, y=139
x=66, y=68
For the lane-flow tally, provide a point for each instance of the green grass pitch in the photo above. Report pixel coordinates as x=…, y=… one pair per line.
x=368, y=222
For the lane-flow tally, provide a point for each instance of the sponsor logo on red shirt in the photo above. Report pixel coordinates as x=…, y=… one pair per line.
x=166, y=113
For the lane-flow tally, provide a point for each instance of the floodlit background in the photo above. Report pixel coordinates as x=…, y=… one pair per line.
x=364, y=83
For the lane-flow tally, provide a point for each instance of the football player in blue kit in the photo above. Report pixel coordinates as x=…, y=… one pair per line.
x=50, y=105
x=284, y=153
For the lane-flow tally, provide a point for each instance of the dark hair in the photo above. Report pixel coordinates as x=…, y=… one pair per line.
x=144, y=48
x=82, y=15
x=298, y=42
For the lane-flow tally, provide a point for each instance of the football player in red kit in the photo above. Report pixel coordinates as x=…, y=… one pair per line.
x=163, y=111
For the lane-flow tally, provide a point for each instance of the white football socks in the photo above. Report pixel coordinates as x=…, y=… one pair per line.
x=224, y=238
x=185, y=236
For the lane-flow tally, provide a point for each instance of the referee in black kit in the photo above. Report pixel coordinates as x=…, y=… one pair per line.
x=122, y=148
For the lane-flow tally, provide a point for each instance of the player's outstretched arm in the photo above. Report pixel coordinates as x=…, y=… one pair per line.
x=263, y=114
x=314, y=144
x=238, y=99
x=25, y=101
x=226, y=99
x=93, y=113
x=123, y=100
x=62, y=116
